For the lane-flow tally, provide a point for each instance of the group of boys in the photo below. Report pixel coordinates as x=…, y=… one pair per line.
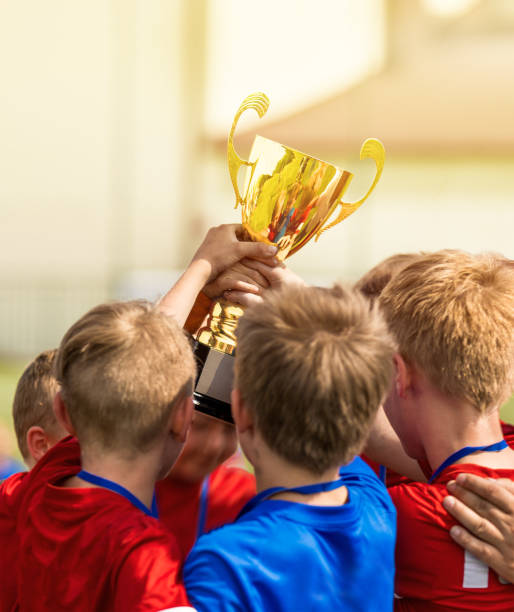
x=100, y=523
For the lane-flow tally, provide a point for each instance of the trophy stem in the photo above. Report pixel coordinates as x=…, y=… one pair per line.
x=219, y=332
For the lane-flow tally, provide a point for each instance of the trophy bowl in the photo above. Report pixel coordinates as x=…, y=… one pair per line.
x=288, y=198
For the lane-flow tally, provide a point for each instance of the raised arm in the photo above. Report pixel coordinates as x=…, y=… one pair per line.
x=220, y=249
x=384, y=447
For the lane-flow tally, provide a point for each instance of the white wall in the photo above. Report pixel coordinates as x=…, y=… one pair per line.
x=92, y=123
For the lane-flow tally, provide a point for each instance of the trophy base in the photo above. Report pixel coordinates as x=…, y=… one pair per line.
x=214, y=382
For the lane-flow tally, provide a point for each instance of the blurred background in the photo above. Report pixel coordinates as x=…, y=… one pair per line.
x=114, y=116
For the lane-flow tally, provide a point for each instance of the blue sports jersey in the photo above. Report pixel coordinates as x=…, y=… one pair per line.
x=286, y=556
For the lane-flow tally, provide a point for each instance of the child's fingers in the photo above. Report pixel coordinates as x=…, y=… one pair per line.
x=242, y=286
x=249, y=274
x=242, y=298
x=255, y=249
x=264, y=267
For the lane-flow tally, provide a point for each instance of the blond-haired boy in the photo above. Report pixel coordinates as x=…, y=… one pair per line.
x=126, y=375
x=312, y=367
x=452, y=314
x=89, y=535
x=36, y=427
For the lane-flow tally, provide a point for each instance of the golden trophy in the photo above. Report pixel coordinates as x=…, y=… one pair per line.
x=288, y=198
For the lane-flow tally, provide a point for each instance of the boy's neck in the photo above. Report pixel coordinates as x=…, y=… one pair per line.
x=446, y=425
x=137, y=474
x=272, y=471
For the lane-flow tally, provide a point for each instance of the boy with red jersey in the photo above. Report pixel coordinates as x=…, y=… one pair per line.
x=89, y=539
x=453, y=317
x=36, y=430
x=371, y=284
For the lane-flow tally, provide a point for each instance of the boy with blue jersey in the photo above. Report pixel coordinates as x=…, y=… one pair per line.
x=312, y=367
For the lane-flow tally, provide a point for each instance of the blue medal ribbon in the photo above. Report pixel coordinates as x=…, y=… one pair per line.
x=304, y=490
x=202, y=512
x=116, y=488
x=467, y=450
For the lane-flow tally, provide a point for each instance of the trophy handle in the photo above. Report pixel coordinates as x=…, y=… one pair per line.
x=260, y=103
x=372, y=149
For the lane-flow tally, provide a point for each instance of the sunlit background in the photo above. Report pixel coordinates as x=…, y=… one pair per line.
x=114, y=116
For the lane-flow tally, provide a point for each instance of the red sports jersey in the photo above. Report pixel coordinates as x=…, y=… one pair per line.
x=393, y=478
x=10, y=494
x=433, y=573
x=508, y=433
x=179, y=503
x=91, y=549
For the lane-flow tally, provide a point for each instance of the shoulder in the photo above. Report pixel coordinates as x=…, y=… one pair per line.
x=139, y=539
x=420, y=499
x=362, y=482
x=358, y=472
x=133, y=528
x=424, y=495
x=424, y=501
x=142, y=544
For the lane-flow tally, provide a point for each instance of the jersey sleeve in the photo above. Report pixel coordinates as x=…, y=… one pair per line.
x=149, y=578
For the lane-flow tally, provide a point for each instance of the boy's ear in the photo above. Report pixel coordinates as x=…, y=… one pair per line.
x=61, y=414
x=180, y=419
x=403, y=376
x=37, y=442
x=243, y=417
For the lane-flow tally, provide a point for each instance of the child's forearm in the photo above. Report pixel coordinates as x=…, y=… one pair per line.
x=384, y=447
x=219, y=250
x=179, y=300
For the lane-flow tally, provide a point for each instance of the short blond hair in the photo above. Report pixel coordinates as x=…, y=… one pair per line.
x=314, y=365
x=33, y=399
x=372, y=283
x=122, y=367
x=453, y=315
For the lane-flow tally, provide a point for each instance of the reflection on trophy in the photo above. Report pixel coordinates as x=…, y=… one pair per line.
x=287, y=199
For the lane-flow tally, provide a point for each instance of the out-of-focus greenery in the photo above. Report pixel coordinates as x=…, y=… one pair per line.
x=10, y=372
x=507, y=412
